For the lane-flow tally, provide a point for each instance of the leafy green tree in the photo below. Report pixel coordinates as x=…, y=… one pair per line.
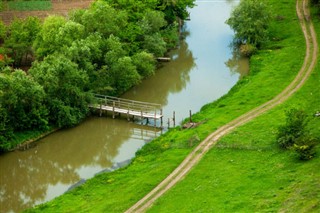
x=155, y=44
x=171, y=36
x=102, y=18
x=250, y=21
x=57, y=34
x=115, y=50
x=21, y=36
x=21, y=104
x=46, y=42
x=124, y=74
x=174, y=9
x=152, y=22
x=145, y=63
x=64, y=85
x=87, y=53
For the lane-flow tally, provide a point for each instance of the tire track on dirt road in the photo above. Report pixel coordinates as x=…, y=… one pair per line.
x=194, y=157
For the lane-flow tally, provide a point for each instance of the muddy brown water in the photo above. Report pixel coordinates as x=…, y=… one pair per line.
x=197, y=74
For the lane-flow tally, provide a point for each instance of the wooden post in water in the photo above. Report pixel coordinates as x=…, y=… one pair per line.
x=161, y=118
x=190, y=119
x=141, y=117
x=100, y=109
x=113, y=105
x=128, y=118
x=174, y=119
x=168, y=123
x=155, y=117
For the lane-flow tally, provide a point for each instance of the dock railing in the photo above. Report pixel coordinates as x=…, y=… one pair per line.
x=130, y=107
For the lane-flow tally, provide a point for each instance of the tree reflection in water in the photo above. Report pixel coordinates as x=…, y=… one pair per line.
x=238, y=64
x=171, y=78
x=62, y=159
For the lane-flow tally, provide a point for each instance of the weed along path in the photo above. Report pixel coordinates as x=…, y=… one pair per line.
x=194, y=157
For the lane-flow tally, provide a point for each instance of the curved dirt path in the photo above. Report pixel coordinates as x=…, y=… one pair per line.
x=194, y=157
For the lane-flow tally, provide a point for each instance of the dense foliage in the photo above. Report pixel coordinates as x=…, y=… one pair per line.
x=104, y=49
x=250, y=21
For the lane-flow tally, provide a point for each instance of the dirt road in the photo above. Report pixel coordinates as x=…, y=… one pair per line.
x=194, y=157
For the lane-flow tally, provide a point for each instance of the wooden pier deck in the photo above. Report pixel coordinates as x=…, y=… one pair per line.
x=131, y=108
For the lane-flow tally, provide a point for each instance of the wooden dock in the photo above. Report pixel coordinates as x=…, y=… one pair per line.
x=131, y=108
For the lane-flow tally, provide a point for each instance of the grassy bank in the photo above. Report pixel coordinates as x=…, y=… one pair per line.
x=245, y=171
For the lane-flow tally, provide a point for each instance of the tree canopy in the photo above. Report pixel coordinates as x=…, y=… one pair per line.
x=250, y=21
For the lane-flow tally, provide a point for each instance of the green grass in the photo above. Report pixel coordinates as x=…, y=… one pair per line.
x=245, y=172
x=29, y=5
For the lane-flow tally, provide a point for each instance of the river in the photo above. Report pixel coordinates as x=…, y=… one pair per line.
x=196, y=75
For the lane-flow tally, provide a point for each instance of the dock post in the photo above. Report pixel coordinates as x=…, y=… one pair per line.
x=174, y=119
x=141, y=117
x=168, y=123
x=113, y=116
x=128, y=118
x=190, y=119
x=155, y=117
x=161, y=119
x=100, y=109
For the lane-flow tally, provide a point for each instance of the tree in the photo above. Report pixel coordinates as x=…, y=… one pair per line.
x=124, y=74
x=57, y=34
x=250, y=21
x=64, y=85
x=155, y=44
x=21, y=104
x=114, y=50
x=46, y=41
x=21, y=35
x=152, y=22
x=174, y=9
x=102, y=18
x=145, y=63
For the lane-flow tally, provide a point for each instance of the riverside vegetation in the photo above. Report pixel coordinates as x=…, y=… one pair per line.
x=106, y=49
x=246, y=170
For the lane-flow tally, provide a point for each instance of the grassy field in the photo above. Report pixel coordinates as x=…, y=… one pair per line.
x=245, y=172
x=28, y=5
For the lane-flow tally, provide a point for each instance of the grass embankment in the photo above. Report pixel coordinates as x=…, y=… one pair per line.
x=245, y=171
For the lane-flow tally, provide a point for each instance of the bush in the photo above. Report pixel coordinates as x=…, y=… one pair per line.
x=305, y=147
x=294, y=128
x=247, y=50
x=294, y=135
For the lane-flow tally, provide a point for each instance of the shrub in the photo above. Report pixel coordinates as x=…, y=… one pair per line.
x=294, y=128
x=305, y=147
x=294, y=135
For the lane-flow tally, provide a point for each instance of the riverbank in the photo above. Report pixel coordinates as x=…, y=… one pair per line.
x=233, y=167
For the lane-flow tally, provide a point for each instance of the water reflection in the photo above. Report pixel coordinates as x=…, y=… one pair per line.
x=172, y=77
x=37, y=175
x=238, y=64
